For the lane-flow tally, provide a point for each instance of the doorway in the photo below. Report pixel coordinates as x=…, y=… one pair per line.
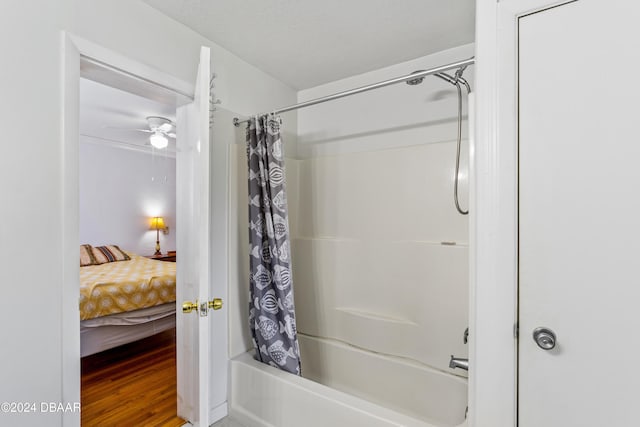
x=105, y=64
x=128, y=309
x=124, y=181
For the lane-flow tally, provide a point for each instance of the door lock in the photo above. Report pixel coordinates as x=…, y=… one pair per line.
x=215, y=304
x=188, y=306
x=203, y=308
x=545, y=338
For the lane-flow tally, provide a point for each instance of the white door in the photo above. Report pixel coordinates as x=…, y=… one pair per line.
x=198, y=400
x=579, y=214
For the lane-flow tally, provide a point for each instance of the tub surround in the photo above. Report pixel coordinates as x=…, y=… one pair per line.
x=372, y=217
x=396, y=383
x=262, y=396
x=379, y=260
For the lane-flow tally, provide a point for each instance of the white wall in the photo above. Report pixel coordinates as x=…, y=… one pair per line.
x=119, y=191
x=32, y=168
x=371, y=199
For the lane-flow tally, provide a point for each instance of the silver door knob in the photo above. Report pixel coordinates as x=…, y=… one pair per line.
x=545, y=338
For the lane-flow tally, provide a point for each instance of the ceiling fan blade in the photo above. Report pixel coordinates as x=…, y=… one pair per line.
x=171, y=135
x=129, y=129
x=166, y=127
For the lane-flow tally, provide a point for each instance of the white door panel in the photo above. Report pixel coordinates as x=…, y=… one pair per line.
x=222, y=136
x=186, y=284
x=198, y=400
x=579, y=232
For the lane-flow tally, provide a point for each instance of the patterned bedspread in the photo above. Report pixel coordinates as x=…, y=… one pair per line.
x=117, y=287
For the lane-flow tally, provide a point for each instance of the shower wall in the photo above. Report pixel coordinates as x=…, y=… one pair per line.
x=380, y=255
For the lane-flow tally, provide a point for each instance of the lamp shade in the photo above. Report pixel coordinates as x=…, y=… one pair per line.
x=157, y=223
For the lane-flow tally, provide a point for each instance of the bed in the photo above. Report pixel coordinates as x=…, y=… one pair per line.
x=123, y=299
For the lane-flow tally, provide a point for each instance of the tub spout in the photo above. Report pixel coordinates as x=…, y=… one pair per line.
x=457, y=362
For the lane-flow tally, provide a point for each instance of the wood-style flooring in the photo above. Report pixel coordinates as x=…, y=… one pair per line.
x=132, y=385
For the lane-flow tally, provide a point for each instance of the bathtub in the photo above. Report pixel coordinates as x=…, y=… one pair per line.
x=345, y=386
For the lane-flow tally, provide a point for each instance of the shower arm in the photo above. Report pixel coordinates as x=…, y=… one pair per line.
x=455, y=80
x=446, y=77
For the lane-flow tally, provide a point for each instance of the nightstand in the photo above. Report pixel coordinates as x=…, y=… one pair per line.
x=169, y=256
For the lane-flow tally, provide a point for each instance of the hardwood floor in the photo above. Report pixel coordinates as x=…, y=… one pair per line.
x=132, y=385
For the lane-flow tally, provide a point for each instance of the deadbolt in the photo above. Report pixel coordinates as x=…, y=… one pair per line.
x=545, y=338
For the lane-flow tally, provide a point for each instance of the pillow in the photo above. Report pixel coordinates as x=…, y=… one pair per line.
x=86, y=256
x=109, y=253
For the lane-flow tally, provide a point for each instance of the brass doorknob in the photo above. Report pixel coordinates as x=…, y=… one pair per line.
x=215, y=304
x=188, y=306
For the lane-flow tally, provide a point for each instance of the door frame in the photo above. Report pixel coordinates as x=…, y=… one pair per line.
x=73, y=48
x=493, y=386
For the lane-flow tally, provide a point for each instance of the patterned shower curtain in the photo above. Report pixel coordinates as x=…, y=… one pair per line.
x=271, y=310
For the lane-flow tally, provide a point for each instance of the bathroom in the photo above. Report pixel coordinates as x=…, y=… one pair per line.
x=396, y=291
x=389, y=274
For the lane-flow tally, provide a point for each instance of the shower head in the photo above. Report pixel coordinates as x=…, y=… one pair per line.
x=417, y=80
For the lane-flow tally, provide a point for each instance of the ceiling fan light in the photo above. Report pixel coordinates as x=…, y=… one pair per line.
x=158, y=140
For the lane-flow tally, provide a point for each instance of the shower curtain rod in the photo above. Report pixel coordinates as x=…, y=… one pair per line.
x=431, y=71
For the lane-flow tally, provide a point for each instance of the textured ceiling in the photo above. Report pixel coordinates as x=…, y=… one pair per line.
x=305, y=43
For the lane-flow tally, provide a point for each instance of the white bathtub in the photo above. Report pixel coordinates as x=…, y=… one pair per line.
x=362, y=389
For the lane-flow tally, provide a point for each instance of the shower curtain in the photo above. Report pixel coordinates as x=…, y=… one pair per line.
x=271, y=310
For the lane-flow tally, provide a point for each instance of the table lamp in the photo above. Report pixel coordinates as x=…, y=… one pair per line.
x=157, y=223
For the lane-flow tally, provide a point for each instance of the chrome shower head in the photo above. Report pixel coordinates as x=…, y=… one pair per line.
x=417, y=80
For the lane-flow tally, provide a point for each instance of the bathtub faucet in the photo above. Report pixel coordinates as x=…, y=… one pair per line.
x=457, y=362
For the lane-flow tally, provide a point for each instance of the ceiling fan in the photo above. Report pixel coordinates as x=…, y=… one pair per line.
x=161, y=129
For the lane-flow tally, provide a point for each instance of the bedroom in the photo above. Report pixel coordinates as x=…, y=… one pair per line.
x=127, y=337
